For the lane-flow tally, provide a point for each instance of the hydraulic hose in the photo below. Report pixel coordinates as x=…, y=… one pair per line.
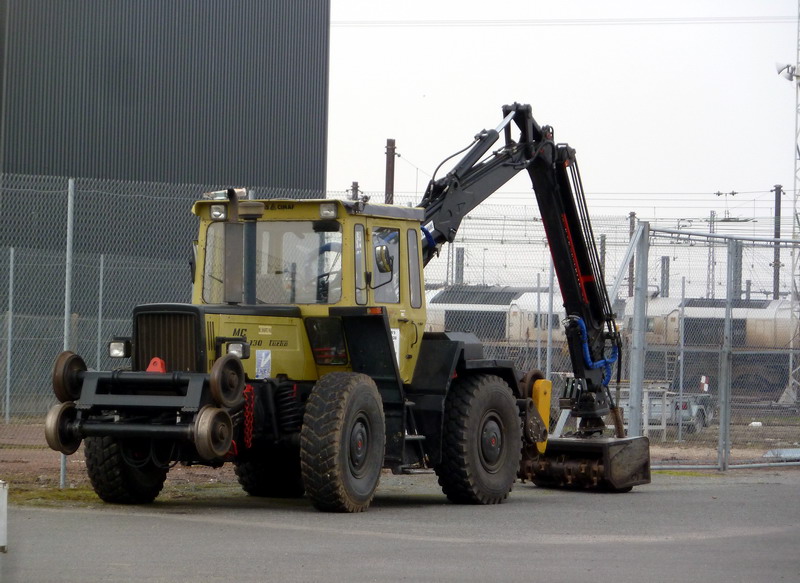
x=587, y=357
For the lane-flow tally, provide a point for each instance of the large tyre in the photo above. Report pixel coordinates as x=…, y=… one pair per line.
x=481, y=441
x=342, y=442
x=272, y=473
x=114, y=476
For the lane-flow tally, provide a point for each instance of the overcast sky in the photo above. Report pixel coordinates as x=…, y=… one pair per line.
x=666, y=103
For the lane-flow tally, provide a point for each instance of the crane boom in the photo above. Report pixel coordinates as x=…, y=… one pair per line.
x=555, y=177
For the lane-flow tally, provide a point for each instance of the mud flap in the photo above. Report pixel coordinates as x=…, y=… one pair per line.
x=607, y=464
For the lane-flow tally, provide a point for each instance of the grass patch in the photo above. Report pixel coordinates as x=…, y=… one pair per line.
x=22, y=494
x=688, y=473
x=29, y=495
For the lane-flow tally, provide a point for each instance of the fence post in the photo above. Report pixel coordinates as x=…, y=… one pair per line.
x=9, y=334
x=62, y=482
x=725, y=362
x=100, y=312
x=549, y=360
x=3, y=516
x=681, y=352
x=538, y=321
x=639, y=328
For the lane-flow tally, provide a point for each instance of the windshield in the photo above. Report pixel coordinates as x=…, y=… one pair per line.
x=297, y=262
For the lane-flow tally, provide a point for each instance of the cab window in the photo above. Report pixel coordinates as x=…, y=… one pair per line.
x=360, y=266
x=386, y=265
x=414, y=279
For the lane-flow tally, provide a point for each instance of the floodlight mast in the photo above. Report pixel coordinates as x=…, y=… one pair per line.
x=790, y=72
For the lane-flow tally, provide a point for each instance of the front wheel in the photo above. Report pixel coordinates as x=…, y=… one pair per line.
x=342, y=442
x=123, y=472
x=481, y=441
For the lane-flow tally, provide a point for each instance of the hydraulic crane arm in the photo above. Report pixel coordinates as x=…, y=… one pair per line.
x=556, y=182
x=448, y=200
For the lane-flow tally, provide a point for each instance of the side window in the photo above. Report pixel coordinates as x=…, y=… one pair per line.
x=386, y=265
x=360, y=266
x=213, y=270
x=414, y=280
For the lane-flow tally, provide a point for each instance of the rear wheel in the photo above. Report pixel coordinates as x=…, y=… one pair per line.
x=342, y=442
x=123, y=472
x=698, y=424
x=272, y=473
x=481, y=441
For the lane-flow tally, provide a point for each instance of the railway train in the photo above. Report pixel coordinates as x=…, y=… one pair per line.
x=513, y=323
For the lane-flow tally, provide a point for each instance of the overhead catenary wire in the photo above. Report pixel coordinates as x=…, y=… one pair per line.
x=543, y=22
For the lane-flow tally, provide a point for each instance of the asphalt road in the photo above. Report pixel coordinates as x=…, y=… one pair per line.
x=741, y=526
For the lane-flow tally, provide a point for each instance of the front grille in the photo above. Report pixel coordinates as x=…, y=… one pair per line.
x=172, y=337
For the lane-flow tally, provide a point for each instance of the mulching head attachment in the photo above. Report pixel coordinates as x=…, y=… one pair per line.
x=607, y=464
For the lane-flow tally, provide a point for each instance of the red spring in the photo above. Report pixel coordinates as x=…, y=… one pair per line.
x=249, y=406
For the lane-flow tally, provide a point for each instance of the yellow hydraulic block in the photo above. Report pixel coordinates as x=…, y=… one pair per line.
x=542, y=389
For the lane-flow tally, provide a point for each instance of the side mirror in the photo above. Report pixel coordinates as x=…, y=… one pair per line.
x=383, y=259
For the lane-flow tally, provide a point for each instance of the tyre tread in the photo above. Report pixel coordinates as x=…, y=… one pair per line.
x=458, y=476
x=113, y=480
x=320, y=449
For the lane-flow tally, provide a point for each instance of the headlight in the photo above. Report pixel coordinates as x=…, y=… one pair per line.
x=219, y=212
x=119, y=348
x=240, y=349
x=327, y=210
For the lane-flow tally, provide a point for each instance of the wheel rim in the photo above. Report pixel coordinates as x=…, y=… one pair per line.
x=359, y=446
x=491, y=442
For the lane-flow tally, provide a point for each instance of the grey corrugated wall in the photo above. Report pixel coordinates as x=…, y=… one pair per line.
x=201, y=91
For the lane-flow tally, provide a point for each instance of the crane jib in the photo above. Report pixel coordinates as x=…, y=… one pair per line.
x=582, y=279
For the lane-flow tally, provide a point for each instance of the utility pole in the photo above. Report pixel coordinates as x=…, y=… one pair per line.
x=390, y=154
x=712, y=259
x=776, y=261
x=603, y=254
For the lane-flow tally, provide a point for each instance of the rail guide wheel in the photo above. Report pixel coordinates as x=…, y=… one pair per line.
x=227, y=380
x=213, y=432
x=66, y=376
x=58, y=430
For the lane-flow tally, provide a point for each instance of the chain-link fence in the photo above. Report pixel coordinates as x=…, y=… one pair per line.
x=130, y=243
x=722, y=347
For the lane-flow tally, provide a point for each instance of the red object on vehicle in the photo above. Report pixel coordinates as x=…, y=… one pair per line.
x=157, y=365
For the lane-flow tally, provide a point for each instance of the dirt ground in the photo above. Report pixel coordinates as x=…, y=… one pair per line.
x=25, y=459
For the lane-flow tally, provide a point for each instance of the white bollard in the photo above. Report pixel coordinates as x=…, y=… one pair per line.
x=3, y=516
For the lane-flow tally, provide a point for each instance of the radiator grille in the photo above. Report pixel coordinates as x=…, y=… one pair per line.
x=172, y=337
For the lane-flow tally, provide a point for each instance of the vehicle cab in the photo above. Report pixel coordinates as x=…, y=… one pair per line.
x=310, y=257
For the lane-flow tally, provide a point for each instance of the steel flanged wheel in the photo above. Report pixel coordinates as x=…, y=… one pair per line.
x=66, y=379
x=530, y=379
x=227, y=381
x=213, y=432
x=58, y=428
